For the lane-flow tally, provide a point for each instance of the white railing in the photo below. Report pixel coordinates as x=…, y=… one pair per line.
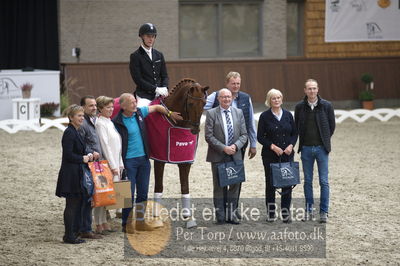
x=359, y=115
x=13, y=125
x=362, y=115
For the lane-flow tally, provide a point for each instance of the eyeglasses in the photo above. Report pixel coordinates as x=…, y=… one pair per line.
x=225, y=97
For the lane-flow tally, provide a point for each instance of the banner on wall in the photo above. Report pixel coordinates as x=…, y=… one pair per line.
x=362, y=20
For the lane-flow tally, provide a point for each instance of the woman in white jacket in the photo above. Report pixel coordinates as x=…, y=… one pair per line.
x=111, y=146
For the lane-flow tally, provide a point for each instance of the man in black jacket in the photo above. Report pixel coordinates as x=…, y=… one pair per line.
x=315, y=121
x=147, y=67
x=89, y=135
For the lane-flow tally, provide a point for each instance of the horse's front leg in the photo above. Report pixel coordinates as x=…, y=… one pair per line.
x=158, y=176
x=184, y=170
x=158, y=190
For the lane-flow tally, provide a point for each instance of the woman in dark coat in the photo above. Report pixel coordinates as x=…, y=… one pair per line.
x=70, y=175
x=278, y=135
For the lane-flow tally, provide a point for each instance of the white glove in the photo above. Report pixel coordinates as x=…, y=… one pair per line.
x=163, y=91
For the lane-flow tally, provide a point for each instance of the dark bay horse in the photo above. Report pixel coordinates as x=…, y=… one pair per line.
x=188, y=98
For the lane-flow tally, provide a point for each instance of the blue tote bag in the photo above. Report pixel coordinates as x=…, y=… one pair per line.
x=230, y=173
x=87, y=182
x=285, y=174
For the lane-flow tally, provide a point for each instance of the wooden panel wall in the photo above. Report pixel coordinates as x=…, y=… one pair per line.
x=316, y=47
x=110, y=79
x=339, y=79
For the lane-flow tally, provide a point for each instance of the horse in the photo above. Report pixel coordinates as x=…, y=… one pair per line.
x=188, y=98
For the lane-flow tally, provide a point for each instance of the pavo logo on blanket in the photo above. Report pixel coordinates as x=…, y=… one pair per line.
x=231, y=172
x=286, y=173
x=186, y=143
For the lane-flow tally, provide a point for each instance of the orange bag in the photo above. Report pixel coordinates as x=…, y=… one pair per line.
x=104, y=193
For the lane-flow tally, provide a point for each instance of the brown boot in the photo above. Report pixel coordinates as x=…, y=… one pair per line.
x=157, y=222
x=141, y=224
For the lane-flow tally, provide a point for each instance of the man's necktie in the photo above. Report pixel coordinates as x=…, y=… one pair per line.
x=229, y=126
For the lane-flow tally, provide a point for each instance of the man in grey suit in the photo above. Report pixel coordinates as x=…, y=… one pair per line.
x=225, y=133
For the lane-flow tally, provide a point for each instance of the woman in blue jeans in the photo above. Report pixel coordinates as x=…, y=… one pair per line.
x=278, y=135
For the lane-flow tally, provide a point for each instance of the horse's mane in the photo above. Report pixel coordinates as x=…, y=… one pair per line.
x=180, y=85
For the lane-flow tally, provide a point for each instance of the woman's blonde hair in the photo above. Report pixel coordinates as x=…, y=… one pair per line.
x=72, y=110
x=103, y=101
x=271, y=93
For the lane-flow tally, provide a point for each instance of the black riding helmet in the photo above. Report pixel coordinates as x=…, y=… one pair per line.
x=147, y=28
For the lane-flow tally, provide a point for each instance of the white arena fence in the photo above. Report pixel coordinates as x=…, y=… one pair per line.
x=359, y=115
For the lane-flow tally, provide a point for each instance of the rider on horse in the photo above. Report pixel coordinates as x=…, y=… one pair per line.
x=147, y=67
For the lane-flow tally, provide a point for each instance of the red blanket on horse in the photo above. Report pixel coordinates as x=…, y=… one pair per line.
x=167, y=142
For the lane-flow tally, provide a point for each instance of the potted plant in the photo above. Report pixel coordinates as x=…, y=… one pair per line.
x=26, y=89
x=367, y=96
x=48, y=109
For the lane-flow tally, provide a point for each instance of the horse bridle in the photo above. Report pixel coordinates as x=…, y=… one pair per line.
x=188, y=95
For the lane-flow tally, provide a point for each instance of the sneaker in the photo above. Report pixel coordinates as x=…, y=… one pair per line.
x=233, y=221
x=308, y=216
x=287, y=220
x=323, y=217
x=271, y=219
x=220, y=222
x=73, y=241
